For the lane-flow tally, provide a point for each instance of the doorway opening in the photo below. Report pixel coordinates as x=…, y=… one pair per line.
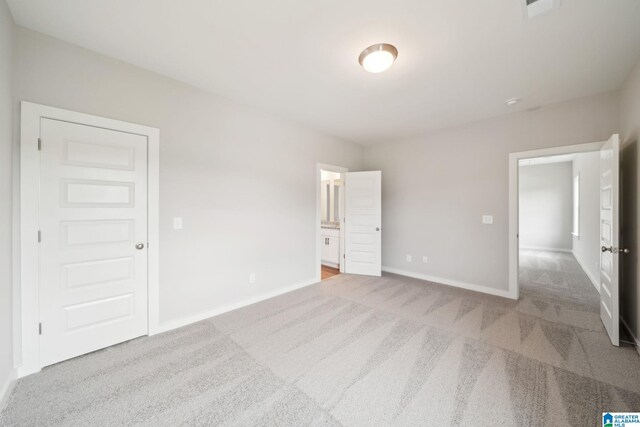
x=554, y=271
x=330, y=199
x=559, y=228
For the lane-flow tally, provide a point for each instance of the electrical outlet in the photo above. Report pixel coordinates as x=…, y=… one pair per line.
x=177, y=223
x=408, y=258
x=252, y=278
x=425, y=259
x=487, y=219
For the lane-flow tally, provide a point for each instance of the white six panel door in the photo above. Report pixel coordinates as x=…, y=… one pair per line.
x=363, y=220
x=93, y=212
x=609, y=230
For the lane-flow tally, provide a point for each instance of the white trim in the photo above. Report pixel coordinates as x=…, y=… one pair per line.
x=631, y=334
x=31, y=115
x=514, y=158
x=6, y=389
x=187, y=320
x=153, y=230
x=594, y=281
x=451, y=282
x=546, y=249
x=330, y=264
x=341, y=170
x=575, y=224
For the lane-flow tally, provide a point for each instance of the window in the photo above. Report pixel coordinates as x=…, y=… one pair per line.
x=576, y=206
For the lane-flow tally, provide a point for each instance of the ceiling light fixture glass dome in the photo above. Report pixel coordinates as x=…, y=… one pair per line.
x=378, y=58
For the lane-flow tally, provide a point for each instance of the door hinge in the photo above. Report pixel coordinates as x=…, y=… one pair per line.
x=39, y=236
x=39, y=328
x=39, y=144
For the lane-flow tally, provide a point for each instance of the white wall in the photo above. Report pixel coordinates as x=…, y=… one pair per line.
x=436, y=187
x=244, y=181
x=586, y=247
x=6, y=336
x=546, y=206
x=630, y=184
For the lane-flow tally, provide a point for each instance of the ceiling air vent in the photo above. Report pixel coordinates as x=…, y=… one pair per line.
x=533, y=8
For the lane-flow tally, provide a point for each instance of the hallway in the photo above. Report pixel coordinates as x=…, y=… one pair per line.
x=556, y=277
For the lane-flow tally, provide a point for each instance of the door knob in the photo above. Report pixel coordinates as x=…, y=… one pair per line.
x=625, y=251
x=607, y=249
x=377, y=228
x=140, y=246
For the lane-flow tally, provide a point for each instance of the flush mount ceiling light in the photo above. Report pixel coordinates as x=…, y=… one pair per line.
x=512, y=101
x=533, y=8
x=378, y=58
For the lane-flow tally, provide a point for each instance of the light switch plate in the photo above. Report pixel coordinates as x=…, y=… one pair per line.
x=408, y=258
x=177, y=223
x=487, y=219
x=252, y=278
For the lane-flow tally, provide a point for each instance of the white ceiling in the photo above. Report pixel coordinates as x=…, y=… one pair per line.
x=458, y=60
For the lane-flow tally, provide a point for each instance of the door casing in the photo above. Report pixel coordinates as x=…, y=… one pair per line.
x=26, y=299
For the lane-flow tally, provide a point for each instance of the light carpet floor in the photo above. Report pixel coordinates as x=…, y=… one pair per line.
x=359, y=351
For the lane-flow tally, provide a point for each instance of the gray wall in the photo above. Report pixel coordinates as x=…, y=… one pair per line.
x=546, y=206
x=244, y=181
x=6, y=336
x=630, y=185
x=586, y=247
x=437, y=186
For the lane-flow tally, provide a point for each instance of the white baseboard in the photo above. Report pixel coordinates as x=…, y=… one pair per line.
x=632, y=335
x=594, y=281
x=542, y=248
x=331, y=264
x=6, y=388
x=178, y=323
x=450, y=282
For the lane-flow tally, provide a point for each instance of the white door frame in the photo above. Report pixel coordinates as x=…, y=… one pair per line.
x=341, y=170
x=514, y=158
x=28, y=250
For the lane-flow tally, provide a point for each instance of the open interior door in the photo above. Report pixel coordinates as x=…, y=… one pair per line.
x=609, y=232
x=363, y=221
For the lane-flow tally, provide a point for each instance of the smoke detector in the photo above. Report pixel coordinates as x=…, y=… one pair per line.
x=533, y=8
x=512, y=101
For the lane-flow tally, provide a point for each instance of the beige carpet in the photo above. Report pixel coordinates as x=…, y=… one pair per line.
x=364, y=351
